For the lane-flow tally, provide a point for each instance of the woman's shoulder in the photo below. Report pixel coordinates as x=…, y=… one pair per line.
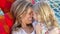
x=16, y=31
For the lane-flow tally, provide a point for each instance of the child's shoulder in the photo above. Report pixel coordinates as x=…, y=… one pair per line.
x=55, y=31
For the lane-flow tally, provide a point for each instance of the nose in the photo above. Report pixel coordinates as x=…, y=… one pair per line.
x=31, y=15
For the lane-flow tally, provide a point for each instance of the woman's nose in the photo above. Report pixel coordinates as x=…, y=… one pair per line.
x=31, y=15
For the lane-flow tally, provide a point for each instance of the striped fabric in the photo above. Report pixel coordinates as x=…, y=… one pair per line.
x=6, y=23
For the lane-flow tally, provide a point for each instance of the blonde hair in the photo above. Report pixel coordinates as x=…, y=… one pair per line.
x=46, y=14
x=19, y=8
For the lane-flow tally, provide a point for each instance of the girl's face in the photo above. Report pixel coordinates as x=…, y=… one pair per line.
x=27, y=18
x=35, y=16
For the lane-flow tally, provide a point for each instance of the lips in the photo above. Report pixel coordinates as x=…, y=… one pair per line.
x=30, y=18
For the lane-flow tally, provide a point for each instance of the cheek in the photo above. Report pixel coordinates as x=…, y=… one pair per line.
x=25, y=18
x=35, y=17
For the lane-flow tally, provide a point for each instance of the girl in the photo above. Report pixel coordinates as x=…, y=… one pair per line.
x=45, y=17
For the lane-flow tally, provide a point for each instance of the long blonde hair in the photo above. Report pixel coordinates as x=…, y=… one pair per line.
x=18, y=9
x=46, y=14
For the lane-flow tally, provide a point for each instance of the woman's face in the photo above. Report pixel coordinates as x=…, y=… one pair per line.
x=27, y=19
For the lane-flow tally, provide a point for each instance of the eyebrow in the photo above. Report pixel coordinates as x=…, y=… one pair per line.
x=30, y=12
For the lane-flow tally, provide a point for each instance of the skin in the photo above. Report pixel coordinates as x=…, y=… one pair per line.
x=27, y=19
x=38, y=26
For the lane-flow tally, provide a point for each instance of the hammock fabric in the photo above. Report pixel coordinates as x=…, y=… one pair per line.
x=6, y=5
x=6, y=23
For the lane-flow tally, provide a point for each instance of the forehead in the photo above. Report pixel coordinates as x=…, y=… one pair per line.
x=29, y=10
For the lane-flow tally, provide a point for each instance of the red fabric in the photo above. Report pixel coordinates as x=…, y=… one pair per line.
x=6, y=23
x=2, y=3
x=9, y=19
x=2, y=26
x=6, y=5
x=2, y=30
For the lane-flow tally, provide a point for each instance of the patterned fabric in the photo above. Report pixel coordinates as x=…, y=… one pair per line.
x=3, y=26
x=55, y=5
x=9, y=19
x=6, y=23
x=6, y=20
x=1, y=12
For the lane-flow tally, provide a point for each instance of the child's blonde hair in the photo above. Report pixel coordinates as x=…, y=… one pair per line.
x=46, y=14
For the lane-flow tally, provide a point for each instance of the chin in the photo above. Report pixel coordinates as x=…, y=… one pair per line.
x=30, y=22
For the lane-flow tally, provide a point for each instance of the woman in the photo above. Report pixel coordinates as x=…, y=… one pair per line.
x=47, y=23
x=23, y=13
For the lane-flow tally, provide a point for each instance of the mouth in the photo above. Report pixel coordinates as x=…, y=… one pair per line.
x=29, y=25
x=30, y=19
